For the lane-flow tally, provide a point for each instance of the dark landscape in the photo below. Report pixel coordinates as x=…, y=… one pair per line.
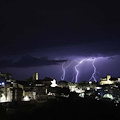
x=70, y=109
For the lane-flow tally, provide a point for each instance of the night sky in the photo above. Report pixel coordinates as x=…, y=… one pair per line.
x=40, y=36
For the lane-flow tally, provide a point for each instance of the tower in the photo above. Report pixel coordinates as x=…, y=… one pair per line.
x=35, y=76
x=108, y=77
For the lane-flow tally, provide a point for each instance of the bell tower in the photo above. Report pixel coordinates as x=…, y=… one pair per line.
x=35, y=76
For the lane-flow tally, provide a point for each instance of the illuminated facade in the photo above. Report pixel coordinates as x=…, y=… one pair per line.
x=106, y=80
x=35, y=76
x=47, y=88
x=53, y=83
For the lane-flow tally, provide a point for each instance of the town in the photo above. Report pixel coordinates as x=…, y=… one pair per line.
x=34, y=89
x=48, y=98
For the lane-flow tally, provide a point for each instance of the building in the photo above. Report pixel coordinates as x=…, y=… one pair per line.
x=109, y=80
x=46, y=81
x=35, y=76
x=106, y=80
x=15, y=90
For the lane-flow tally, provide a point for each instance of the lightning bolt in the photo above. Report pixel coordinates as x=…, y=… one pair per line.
x=63, y=69
x=77, y=71
x=94, y=72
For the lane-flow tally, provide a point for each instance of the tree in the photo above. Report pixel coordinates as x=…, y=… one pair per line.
x=83, y=84
x=6, y=76
x=48, y=79
x=30, y=79
x=72, y=84
x=63, y=83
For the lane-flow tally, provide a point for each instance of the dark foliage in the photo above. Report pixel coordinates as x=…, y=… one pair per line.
x=69, y=109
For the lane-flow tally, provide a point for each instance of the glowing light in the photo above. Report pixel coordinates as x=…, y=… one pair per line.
x=26, y=98
x=108, y=96
x=79, y=90
x=93, y=75
x=98, y=88
x=2, y=83
x=90, y=82
x=82, y=95
x=74, y=88
x=53, y=83
x=88, y=88
x=3, y=98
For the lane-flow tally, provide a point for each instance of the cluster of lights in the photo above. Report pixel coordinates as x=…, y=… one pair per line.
x=2, y=83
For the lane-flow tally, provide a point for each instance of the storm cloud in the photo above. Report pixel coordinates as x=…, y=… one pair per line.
x=29, y=61
x=42, y=33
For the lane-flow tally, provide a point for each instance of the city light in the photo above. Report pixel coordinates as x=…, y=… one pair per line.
x=108, y=96
x=26, y=98
x=53, y=83
x=3, y=83
x=3, y=98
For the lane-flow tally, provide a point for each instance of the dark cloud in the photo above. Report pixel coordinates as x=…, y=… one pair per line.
x=30, y=30
x=85, y=49
x=27, y=26
x=29, y=61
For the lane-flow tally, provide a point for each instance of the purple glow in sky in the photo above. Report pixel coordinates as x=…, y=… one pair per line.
x=40, y=37
x=84, y=69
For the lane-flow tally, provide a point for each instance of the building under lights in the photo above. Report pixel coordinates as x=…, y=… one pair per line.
x=47, y=88
x=109, y=80
x=15, y=90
